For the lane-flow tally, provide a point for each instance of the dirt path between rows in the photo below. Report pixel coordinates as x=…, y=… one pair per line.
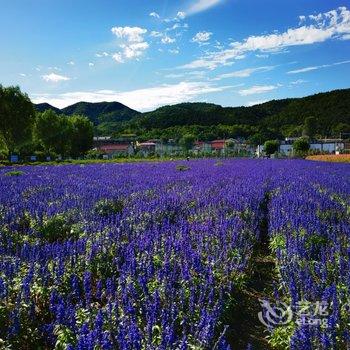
x=245, y=331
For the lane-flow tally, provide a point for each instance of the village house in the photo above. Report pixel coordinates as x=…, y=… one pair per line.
x=115, y=150
x=169, y=148
x=332, y=146
x=202, y=147
x=101, y=140
x=146, y=148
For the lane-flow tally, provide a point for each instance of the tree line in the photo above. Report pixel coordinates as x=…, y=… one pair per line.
x=26, y=132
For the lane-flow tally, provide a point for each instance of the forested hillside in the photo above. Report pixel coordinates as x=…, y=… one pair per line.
x=328, y=114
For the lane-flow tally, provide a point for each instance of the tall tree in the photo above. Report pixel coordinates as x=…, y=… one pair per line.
x=187, y=141
x=16, y=117
x=81, y=135
x=52, y=132
x=271, y=147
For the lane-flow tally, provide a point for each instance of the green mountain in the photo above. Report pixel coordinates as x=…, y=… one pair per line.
x=42, y=107
x=329, y=108
x=331, y=112
x=98, y=113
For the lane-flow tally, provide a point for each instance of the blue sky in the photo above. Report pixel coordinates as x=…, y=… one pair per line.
x=146, y=54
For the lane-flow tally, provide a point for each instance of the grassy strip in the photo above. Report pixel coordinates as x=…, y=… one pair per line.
x=93, y=161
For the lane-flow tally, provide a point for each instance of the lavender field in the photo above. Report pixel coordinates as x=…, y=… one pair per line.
x=156, y=255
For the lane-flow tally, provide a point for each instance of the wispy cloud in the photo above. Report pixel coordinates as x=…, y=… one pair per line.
x=167, y=40
x=141, y=99
x=257, y=89
x=298, y=82
x=154, y=14
x=202, y=5
x=202, y=37
x=179, y=17
x=334, y=24
x=244, y=73
x=102, y=54
x=308, y=69
x=54, y=78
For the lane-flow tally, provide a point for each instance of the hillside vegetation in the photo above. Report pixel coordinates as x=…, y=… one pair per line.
x=206, y=121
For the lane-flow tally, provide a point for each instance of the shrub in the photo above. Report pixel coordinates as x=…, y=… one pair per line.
x=301, y=146
x=107, y=207
x=182, y=168
x=14, y=173
x=58, y=228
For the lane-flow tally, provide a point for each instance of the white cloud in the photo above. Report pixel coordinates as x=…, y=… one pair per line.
x=174, y=51
x=202, y=37
x=262, y=55
x=181, y=15
x=71, y=63
x=188, y=75
x=22, y=74
x=308, y=69
x=244, y=73
x=202, y=5
x=141, y=99
x=133, y=45
x=155, y=34
x=302, y=19
x=298, y=82
x=55, y=68
x=54, y=78
x=130, y=34
x=134, y=50
x=91, y=64
x=167, y=40
x=118, y=57
x=154, y=14
x=330, y=25
x=102, y=54
x=257, y=102
x=257, y=89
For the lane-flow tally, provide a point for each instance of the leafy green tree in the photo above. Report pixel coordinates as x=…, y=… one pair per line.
x=187, y=141
x=52, y=132
x=16, y=117
x=301, y=146
x=81, y=135
x=271, y=147
x=341, y=128
x=310, y=127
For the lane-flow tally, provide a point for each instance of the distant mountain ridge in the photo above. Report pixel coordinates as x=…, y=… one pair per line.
x=98, y=113
x=281, y=117
x=333, y=106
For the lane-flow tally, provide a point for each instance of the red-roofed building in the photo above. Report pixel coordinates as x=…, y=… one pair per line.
x=218, y=145
x=116, y=149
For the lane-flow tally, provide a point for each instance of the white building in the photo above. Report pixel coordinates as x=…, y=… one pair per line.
x=323, y=146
